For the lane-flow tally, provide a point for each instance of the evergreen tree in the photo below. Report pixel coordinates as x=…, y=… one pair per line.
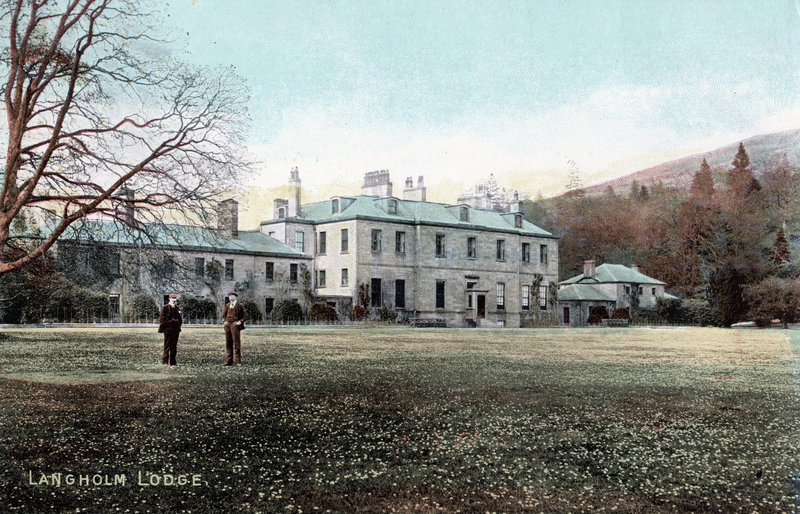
x=780, y=250
x=703, y=185
x=741, y=181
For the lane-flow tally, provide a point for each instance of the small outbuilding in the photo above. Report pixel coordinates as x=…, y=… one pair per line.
x=610, y=285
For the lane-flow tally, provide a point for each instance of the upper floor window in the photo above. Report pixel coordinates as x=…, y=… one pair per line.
x=376, y=240
x=323, y=242
x=543, y=254
x=440, y=246
x=321, y=278
x=293, y=273
x=526, y=252
x=654, y=291
x=299, y=241
x=501, y=249
x=199, y=267
x=463, y=213
x=269, y=271
x=345, y=278
x=345, y=242
x=518, y=220
x=400, y=242
x=472, y=247
x=335, y=206
x=392, y=206
x=282, y=212
x=228, y=269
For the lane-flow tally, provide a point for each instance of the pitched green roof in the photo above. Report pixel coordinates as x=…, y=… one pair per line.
x=579, y=292
x=175, y=235
x=613, y=273
x=414, y=212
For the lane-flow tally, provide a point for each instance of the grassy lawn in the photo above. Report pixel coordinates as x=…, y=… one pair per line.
x=381, y=419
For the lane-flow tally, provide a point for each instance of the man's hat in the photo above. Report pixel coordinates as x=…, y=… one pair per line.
x=234, y=293
x=173, y=295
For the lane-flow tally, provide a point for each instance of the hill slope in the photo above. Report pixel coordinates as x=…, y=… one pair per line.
x=762, y=150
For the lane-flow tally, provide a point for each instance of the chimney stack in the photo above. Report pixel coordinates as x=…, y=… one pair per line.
x=293, y=210
x=377, y=183
x=635, y=267
x=228, y=218
x=416, y=194
x=588, y=269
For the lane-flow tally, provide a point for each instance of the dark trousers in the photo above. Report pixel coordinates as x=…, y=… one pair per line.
x=233, y=344
x=170, y=347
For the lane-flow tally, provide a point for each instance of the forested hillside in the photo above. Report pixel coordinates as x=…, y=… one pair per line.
x=720, y=241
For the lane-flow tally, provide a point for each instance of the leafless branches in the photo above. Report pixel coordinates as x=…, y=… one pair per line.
x=102, y=122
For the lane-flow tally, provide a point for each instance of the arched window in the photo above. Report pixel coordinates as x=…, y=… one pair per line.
x=282, y=212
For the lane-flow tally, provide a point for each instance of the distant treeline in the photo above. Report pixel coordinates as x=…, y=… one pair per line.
x=724, y=242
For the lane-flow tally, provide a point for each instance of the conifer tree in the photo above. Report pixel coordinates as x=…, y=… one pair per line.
x=780, y=250
x=703, y=185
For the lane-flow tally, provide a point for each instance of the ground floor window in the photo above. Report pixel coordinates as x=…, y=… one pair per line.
x=269, y=303
x=440, y=294
x=113, y=304
x=543, y=297
x=526, y=297
x=375, y=292
x=501, y=296
x=400, y=293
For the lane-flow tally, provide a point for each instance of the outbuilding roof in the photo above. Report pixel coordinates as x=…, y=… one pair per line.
x=584, y=292
x=613, y=273
x=413, y=212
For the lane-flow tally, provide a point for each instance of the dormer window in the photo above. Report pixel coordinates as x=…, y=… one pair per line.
x=335, y=206
x=392, y=206
x=463, y=214
x=282, y=212
x=518, y=220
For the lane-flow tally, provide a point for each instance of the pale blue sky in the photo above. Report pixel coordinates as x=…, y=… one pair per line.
x=461, y=89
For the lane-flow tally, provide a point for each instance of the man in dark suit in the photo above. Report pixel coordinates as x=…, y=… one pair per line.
x=169, y=324
x=233, y=320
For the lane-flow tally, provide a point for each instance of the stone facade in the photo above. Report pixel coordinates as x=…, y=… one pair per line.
x=422, y=259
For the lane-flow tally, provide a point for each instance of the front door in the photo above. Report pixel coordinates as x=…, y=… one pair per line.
x=481, y=306
x=566, y=315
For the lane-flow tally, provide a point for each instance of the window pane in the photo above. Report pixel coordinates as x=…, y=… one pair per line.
x=344, y=240
x=323, y=242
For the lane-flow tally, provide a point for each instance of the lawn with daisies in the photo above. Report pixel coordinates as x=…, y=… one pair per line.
x=383, y=419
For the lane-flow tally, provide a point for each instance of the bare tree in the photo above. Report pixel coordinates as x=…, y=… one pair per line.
x=101, y=121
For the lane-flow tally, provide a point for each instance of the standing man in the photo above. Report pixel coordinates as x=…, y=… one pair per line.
x=233, y=319
x=169, y=324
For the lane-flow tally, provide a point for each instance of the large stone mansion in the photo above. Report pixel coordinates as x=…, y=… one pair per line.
x=463, y=264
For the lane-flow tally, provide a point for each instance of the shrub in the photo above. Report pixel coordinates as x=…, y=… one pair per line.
x=143, y=308
x=198, y=308
x=621, y=313
x=700, y=312
x=596, y=314
x=286, y=311
x=773, y=298
x=669, y=310
x=387, y=313
x=322, y=312
x=360, y=312
x=252, y=314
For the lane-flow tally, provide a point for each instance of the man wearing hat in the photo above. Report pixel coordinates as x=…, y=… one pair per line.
x=169, y=324
x=233, y=319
